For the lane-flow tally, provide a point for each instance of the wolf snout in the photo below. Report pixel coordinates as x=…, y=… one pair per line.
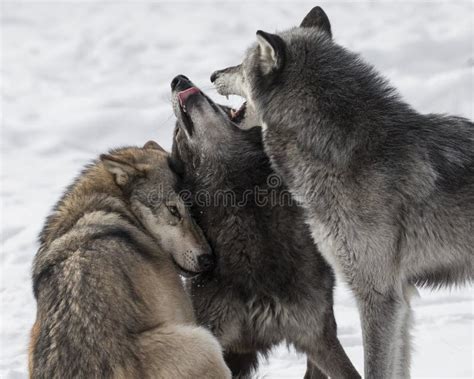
x=180, y=82
x=215, y=75
x=228, y=81
x=206, y=262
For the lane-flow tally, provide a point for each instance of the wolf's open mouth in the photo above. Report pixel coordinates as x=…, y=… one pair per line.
x=184, y=95
x=182, y=98
x=235, y=115
x=238, y=115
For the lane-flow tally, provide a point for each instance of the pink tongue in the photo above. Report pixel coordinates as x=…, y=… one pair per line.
x=183, y=95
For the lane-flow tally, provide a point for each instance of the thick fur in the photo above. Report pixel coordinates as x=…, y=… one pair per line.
x=270, y=283
x=388, y=192
x=110, y=302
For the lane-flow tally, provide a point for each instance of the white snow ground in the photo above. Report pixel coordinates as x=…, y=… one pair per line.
x=79, y=78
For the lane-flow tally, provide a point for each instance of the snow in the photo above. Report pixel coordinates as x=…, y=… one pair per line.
x=81, y=77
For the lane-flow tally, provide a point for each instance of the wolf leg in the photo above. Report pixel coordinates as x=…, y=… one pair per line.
x=331, y=358
x=325, y=352
x=401, y=357
x=380, y=318
x=241, y=364
x=313, y=372
x=181, y=351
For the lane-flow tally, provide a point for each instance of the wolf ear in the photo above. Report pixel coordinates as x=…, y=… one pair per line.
x=123, y=172
x=317, y=18
x=272, y=51
x=154, y=146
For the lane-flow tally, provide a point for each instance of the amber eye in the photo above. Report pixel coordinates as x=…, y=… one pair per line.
x=174, y=211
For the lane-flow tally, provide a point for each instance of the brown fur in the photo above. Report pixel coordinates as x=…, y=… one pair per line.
x=34, y=335
x=110, y=302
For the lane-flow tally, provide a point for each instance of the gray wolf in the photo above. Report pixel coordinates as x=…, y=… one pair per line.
x=388, y=192
x=270, y=284
x=110, y=301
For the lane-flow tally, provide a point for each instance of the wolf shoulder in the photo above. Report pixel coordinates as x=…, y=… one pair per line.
x=450, y=145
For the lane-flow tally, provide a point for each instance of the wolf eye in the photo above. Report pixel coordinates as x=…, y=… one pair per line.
x=174, y=211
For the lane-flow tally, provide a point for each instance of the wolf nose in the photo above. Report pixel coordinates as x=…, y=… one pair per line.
x=206, y=262
x=179, y=80
x=214, y=76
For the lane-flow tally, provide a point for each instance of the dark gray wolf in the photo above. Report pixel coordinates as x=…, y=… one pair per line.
x=110, y=302
x=270, y=283
x=388, y=192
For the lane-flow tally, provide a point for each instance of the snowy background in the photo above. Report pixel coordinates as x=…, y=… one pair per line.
x=79, y=78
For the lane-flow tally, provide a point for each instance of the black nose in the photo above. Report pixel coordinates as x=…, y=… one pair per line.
x=179, y=81
x=206, y=262
x=214, y=76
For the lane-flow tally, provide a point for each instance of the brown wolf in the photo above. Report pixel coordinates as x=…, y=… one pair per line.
x=110, y=302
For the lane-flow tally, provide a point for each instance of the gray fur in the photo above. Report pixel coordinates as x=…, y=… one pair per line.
x=388, y=192
x=270, y=283
x=110, y=302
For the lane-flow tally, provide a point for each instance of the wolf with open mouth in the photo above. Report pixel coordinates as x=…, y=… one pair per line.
x=388, y=192
x=270, y=284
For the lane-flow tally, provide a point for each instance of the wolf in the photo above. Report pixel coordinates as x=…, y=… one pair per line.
x=388, y=192
x=270, y=284
x=110, y=301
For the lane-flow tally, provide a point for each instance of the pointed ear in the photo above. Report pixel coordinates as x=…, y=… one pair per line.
x=123, y=172
x=153, y=145
x=272, y=51
x=317, y=18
